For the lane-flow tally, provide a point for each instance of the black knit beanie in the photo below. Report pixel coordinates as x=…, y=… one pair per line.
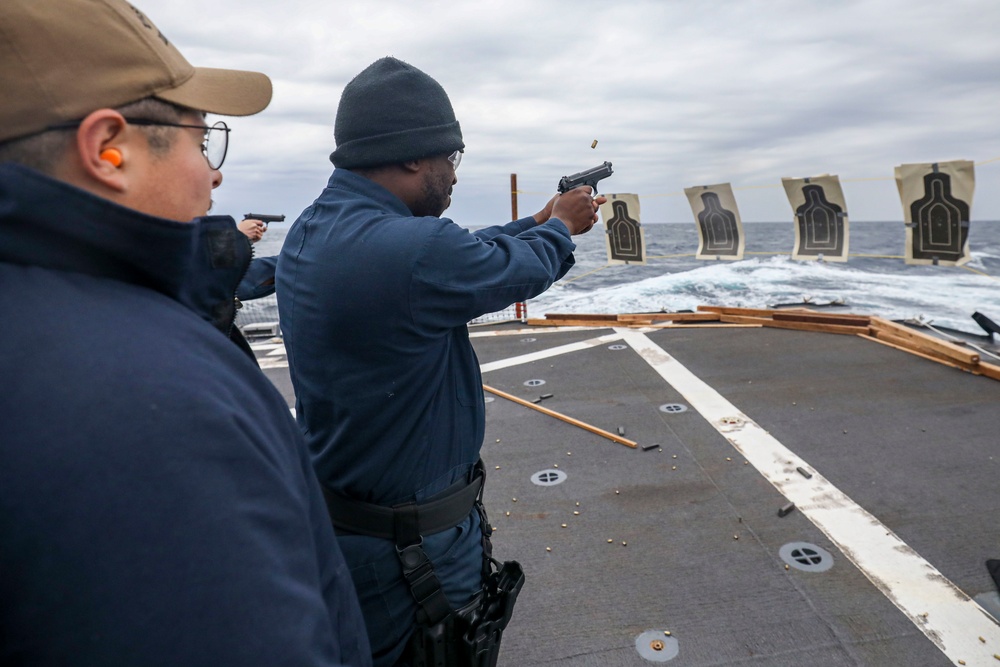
x=390, y=113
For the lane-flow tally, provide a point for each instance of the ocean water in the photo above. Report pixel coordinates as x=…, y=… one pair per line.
x=874, y=281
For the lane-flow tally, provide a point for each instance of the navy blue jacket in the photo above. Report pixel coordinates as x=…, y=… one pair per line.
x=259, y=279
x=373, y=304
x=157, y=505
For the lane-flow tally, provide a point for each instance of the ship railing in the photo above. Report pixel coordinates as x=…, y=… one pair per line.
x=259, y=318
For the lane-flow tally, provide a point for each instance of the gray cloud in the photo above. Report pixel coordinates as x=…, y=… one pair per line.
x=676, y=93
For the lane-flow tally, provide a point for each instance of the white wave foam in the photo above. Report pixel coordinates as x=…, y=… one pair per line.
x=948, y=296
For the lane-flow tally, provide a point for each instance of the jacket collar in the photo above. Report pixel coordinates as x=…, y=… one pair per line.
x=343, y=179
x=50, y=224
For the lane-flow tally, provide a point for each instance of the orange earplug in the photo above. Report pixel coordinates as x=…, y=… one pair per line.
x=112, y=155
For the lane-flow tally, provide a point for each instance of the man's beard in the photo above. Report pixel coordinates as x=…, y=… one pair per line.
x=436, y=197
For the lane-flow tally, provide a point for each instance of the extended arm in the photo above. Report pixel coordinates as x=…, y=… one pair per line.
x=576, y=209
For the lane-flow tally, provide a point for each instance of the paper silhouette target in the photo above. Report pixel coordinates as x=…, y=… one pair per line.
x=821, y=225
x=720, y=230
x=937, y=207
x=624, y=236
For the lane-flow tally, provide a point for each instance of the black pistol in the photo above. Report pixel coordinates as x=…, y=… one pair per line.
x=265, y=218
x=588, y=177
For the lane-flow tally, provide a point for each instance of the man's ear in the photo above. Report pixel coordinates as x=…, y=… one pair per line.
x=103, y=148
x=412, y=166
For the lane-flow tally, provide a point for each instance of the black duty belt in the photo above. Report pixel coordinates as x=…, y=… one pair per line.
x=406, y=524
x=445, y=510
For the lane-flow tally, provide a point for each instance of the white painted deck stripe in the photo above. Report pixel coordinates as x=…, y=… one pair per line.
x=265, y=347
x=551, y=352
x=946, y=615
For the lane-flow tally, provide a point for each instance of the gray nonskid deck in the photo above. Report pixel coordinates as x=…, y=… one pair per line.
x=694, y=551
x=727, y=600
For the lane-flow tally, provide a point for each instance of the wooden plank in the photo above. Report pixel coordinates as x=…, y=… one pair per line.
x=911, y=345
x=890, y=341
x=791, y=314
x=670, y=317
x=991, y=371
x=750, y=312
x=695, y=317
x=582, y=316
x=634, y=317
x=896, y=328
x=825, y=318
x=796, y=326
x=917, y=345
x=642, y=317
x=597, y=324
x=925, y=341
x=704, y=325
x=569, y=420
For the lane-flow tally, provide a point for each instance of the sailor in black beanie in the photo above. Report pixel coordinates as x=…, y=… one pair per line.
x=392, y=112
x=374, y=293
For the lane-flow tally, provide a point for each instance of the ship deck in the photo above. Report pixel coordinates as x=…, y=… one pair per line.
x=794, y=498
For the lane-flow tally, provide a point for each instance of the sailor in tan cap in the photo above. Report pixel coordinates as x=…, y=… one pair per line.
x=157, y=503
x=104, y=70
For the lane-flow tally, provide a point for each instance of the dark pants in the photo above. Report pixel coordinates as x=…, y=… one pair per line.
x=386, y=602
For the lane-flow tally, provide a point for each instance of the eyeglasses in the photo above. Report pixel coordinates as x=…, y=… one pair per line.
x=455, y=159
x=215, y=145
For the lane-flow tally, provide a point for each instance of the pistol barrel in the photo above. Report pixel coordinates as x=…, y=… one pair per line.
x=588, y=177
x=264, y=217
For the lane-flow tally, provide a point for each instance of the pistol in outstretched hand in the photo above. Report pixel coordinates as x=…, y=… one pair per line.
x=265, y=218
x=589, y=177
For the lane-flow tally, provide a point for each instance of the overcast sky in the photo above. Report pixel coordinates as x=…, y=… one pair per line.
x=677, y=94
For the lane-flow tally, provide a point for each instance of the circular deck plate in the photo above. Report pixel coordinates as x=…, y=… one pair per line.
x=806, y=557
x=534, y=383
x=549, y=477
x=666, y=648
x=673, y=408
x=618, y=347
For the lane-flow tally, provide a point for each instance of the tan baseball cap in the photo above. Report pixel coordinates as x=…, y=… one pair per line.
x=62, y=59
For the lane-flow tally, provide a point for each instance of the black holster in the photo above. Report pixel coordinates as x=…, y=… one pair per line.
x=470, y=636
x=443, y=637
